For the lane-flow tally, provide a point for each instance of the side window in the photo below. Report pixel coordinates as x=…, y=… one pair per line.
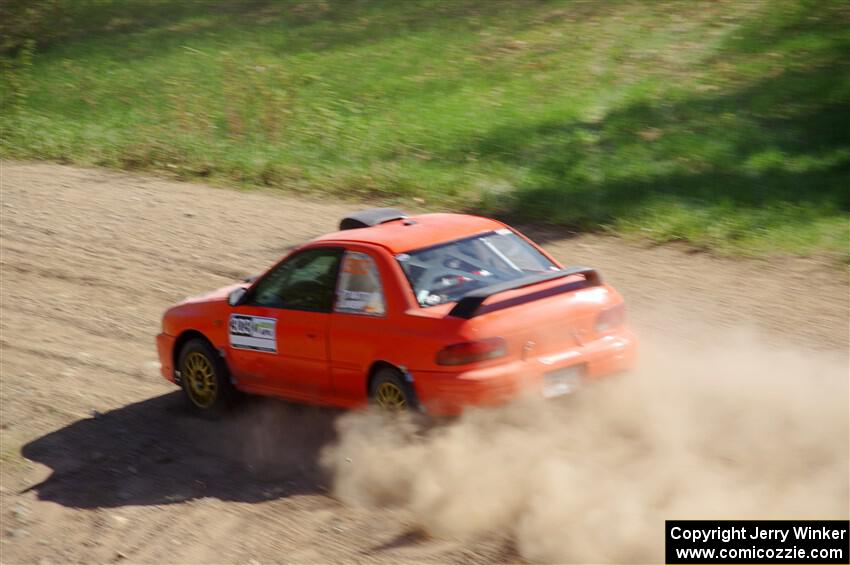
x=359, y=290
x=305, y=281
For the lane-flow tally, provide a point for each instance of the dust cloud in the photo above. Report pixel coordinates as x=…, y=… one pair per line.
x=728, y=428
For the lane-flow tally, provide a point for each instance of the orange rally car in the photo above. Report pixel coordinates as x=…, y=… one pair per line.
x=433, y=312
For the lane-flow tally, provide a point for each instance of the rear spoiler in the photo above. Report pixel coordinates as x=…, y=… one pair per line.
x=469, y=305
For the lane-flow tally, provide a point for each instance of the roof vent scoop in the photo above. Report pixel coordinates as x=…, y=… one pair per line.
x=370, y=217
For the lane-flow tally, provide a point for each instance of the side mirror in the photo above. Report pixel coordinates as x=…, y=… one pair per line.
x=236, y=296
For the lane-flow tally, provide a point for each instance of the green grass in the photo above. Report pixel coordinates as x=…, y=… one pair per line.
x=723, y=124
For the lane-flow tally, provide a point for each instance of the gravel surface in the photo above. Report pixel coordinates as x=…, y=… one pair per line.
x=101, y=463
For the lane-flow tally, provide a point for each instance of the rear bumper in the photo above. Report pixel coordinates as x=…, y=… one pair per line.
x=447, y=393
x=164, y=348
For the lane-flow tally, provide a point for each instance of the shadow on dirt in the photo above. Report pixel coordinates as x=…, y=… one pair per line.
x=157, y=452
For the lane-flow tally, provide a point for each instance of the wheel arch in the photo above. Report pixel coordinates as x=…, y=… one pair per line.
x=377, y=366
x=182, y=339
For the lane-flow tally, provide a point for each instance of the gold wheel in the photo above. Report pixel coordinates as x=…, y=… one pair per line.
x=389, y=396
x=201, y=384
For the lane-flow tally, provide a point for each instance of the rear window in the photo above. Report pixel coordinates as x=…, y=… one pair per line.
x=444, y=273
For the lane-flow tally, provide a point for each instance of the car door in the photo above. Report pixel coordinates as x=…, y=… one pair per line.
x=360, y=323
x=278, y=335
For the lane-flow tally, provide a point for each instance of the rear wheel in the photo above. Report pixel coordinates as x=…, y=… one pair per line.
x=204, y=377
x=391, y=392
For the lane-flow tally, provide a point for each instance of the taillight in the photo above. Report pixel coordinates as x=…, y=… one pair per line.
x=472, y=351
x=611, y=318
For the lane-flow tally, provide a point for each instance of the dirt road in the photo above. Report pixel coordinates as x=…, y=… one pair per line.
x=100, y=463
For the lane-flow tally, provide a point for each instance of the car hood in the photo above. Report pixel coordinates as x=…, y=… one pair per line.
x=213, y=296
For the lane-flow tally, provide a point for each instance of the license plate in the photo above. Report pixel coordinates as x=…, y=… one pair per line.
x=560, y=382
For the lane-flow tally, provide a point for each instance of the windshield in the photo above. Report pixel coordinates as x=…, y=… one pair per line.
x=446, y=272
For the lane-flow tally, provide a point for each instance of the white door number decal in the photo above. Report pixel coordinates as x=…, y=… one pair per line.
x=253, y=332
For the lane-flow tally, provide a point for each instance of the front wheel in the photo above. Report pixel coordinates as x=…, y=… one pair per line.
x=389, y=391
x=204, y=377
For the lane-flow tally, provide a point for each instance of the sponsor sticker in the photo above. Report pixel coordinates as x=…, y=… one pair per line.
x=354, y=300
x=253, y=332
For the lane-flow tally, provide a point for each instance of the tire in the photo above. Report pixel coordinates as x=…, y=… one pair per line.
x=205, y=379
x=388, y=390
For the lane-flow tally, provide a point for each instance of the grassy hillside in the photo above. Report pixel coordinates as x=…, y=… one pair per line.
x=723, y=123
